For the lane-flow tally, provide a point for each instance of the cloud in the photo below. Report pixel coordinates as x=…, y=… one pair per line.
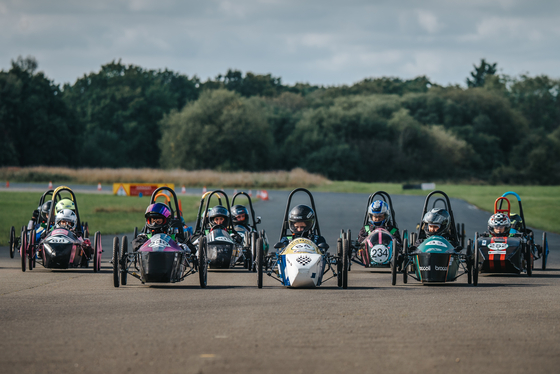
x=428, y=21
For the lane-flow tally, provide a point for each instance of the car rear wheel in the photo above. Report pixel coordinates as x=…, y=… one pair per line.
x=116, y=256
x=202, y=263
x=124, y=260
x=23, y=249
x=394, y=265
x=12, y=241
x=260, y=260
x=475, y=264
x=345, y=262
x=544, y=250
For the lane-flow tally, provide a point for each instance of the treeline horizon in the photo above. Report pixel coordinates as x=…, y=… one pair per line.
x=498, y=129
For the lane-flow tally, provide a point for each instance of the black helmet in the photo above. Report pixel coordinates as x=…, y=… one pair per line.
x=437, y=217
x=299, y=214
x=157, y=211
x=218, y=211
x=236, y=212
x=45, y=210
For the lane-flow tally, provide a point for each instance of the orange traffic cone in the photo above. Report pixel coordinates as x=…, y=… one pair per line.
x=98, y=186
x=183, y=189
x=7, y=184
x=50, y=184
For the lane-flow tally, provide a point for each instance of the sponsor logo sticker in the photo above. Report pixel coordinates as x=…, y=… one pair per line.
x=497, y=246
x=425, y=268
x=441, y=268
x=438, y=243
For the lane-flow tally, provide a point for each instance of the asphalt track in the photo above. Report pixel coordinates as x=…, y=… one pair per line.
x=75, y=321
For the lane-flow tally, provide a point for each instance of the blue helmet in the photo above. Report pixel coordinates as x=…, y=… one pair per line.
x=378, y=213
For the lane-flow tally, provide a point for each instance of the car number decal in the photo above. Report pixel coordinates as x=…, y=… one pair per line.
x=379, y=253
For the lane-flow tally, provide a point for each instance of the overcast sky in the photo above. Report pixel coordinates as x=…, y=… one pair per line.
x=321, y=42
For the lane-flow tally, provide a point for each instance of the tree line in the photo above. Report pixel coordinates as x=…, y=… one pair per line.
x=498, y=129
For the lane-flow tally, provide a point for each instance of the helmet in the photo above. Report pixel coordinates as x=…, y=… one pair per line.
x=236, y=212
x=45, y=210
x=378, y=209
x=436, y=217
x=218, y=211
x=157, y=211
x=66, y=219
x=65, y=204
x=499, y=220
x=299, y=214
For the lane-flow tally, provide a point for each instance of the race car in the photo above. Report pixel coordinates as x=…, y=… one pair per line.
x=435, y=254
x=222, y=243
x=514, y=252
x=61, y=247
x=300, y=259
x=163, y=257
x=249, y=231
x=381, y=245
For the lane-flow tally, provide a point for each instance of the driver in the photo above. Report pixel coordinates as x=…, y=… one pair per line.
x=240, y=217
x=499, y=225
x=157, y=222
x=379, y=215
x=218, y=217
x=437, y=222
x=65, y=219
x=302, y=224
x=41, y=228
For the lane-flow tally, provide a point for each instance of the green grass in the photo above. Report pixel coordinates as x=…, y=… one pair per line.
x=108, y=214
x=540, y=203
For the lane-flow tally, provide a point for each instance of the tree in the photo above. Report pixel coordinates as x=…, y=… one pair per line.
x=120, y=107
x=221, y=130
x=36, y=125
x=481, y=73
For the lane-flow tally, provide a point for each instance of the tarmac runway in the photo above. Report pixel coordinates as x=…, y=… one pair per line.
x=75, y=321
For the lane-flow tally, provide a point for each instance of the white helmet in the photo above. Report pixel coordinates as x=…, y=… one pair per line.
x=66, y=219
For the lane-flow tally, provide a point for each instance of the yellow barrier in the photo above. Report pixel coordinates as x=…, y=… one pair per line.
x=135, y=189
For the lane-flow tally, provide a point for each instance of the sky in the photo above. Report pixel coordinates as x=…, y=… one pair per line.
x=321, y=42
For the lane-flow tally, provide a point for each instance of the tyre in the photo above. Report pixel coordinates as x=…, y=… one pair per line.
x=469, y=262
x=405, y=260
x=32, y=249
x=249, y=260
x=254, y=237
x=96, y=254
x=124, y=260
x=475, y=264
x=349, y=237
x=260, y=260
x=202, y=262
x=116, y=256
x=12, y=241
x=394, y=266
x=339, y=255
x=23, y=249
x=544, y=250
x=345, y=262
x=528, y=260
